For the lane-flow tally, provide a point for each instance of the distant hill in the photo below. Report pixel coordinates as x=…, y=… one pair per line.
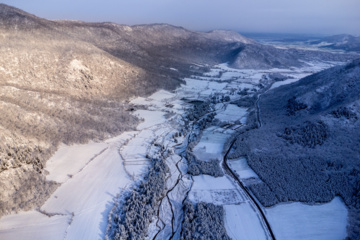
x=258, y=56
x=308, y=147
x=344, y=42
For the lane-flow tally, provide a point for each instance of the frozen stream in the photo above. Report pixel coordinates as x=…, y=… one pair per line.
x=92, y=175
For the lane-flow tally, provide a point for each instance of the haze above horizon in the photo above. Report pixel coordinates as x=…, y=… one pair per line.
x=262, y=16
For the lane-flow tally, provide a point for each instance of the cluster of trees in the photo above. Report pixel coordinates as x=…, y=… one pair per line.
x=264, y=194
x=131, y=216
x=243, y=92
x=203, y=221
x=15, y=156
x=220, y=99
x=278, y=77
x=205, y=121
x=247, y=101
x=294, y=106
x=200, y=109
x=197, y=167
x=31, y=189
x=344, y=112
x=201, y=117
x=308, y=134
x=296, y=179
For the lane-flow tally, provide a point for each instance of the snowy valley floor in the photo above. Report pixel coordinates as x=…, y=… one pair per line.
x=94, y=174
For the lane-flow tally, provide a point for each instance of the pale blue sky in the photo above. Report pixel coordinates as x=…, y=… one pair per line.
x=281, y=16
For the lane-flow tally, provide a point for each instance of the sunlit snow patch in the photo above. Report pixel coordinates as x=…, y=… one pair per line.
x=150, y=118
x=69, y=160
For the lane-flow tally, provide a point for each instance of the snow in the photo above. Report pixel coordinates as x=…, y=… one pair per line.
x=206, y=182
x=165, y=216
x=242, y=223
x=150, y=118
x=161, y=96
x=219, y=191
x=285, y=82
x=300, y=221
x=159, y=101
x=232, y=114
x=217, y=86
x=211, y=144
x=213, y=72
x=140, y=101
x=89, y=195
x=22, y=226
x=77, y=65
x=245, y=85
x=80, y=206
x=241, y=167
x=195, y=85
x=300, y=73
x=68, y=160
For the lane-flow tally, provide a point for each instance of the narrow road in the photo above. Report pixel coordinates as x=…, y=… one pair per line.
x=243, y=187
x=258, y=107
x=246, y=191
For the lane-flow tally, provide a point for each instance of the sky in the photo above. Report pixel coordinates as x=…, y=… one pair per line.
x=255, y=16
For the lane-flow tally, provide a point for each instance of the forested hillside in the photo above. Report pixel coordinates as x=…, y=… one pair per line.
x=307, y=148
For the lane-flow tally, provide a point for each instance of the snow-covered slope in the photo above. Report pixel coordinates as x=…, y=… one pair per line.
x=307, y=146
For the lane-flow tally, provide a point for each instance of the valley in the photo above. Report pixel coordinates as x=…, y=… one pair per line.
x=154, y=131
x=94, y=175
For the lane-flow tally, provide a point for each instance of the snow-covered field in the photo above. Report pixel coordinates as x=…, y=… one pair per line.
x=220, y=191
x=241, y=222
x=93, y=174
x=300, y=221
x=78, y=209
x=232, y=113
x=69, y=160
x=241, y=167
x=211, y=143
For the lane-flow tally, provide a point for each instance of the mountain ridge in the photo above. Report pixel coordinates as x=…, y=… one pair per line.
x=12, y=17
